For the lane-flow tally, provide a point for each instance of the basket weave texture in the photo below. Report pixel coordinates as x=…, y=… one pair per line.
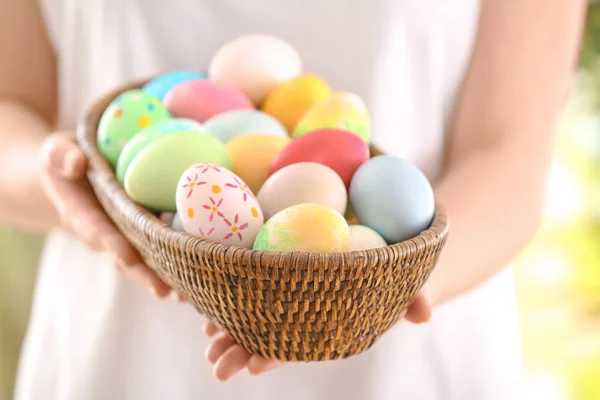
x=286, y=306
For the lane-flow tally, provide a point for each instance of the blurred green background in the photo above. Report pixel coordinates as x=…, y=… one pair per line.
x=558, y=275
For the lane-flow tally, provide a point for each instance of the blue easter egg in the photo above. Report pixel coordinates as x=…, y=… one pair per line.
x=160, y=86
x=176, y=223
x=393, y=197
x=231, y=124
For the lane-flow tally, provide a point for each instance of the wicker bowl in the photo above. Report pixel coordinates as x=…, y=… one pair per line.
x=286, y=306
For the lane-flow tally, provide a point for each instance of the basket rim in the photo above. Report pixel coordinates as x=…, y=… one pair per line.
x=153, y=226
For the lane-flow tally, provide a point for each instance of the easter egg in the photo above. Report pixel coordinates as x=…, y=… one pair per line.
x=307, y=227
x=305, y=182
x=393, y=197
x=176, y=223
x=364, y=238
x=289, y=101
x=202, y=99
x=340, y=150
x=129, y=113
x=161, y=85
x=252, y=156
x=148, y=135
x=215, y=204
x=232, y=124
x=255, y=64
x=343, y=110
x=151, y=179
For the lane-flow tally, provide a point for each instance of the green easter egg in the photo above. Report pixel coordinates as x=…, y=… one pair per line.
x=342, y=110
x=152, y=177
x=150, y=134
x=129, y=113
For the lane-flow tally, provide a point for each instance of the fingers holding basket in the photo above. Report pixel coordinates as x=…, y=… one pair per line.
x=229, y=358
x=80, y=212
x=421, y=308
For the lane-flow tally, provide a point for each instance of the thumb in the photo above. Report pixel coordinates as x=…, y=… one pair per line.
x=420, y=309
x=61, y=155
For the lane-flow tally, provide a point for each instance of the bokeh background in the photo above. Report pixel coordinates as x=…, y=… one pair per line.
x=558, y=275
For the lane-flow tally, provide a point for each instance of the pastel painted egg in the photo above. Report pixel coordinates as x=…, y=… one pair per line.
x=151, y=179
x=343, y=110
x=364, y=238
x=255, y=64
x=252, y=156
x=150, y=134
x=176, y=223
x=307, y=227
x=202, y=99
x=289, y=101
x=393, y=197
x=129, y=113
x=160, y=86
x=305, y=182
x=340, y=150
x=232, y=124
x=215, y=204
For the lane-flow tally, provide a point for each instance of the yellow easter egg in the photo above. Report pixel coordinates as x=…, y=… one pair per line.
x=341, y=110
x=252, y=156
x=308, y=227
x=289, y=101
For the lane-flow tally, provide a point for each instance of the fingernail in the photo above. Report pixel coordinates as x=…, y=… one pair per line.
x=174, y=295
x=154, y=292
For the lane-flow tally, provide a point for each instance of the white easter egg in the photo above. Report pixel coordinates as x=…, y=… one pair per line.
x=364, y=238
x=215, y=204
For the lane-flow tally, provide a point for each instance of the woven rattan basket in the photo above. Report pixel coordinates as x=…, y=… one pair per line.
x=286, y=306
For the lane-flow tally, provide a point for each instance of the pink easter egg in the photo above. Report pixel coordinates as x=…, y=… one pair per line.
x=201, y=99
x=215, y=204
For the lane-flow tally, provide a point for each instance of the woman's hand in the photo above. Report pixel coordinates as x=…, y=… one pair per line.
x=65, y=181
x=229, y=358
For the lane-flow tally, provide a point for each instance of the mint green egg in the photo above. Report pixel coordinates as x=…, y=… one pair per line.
x=152, y=177
x=146, y=136
x=129, y=113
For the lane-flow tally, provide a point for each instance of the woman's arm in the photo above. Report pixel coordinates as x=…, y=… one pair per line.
x=501, y=141
x=27, y=112
x=42, y=175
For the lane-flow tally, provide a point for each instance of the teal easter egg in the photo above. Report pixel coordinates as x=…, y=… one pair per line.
x=150, y=134
x=307, y=227
x=393, y=197
x=160, y=86
x=152, y=177
x=231, y=124
x=129, y=113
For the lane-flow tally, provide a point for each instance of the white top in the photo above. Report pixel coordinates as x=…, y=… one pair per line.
x=94, y=335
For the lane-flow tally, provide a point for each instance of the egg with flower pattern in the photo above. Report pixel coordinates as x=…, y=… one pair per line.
x=215, y=204
x=128, y=114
